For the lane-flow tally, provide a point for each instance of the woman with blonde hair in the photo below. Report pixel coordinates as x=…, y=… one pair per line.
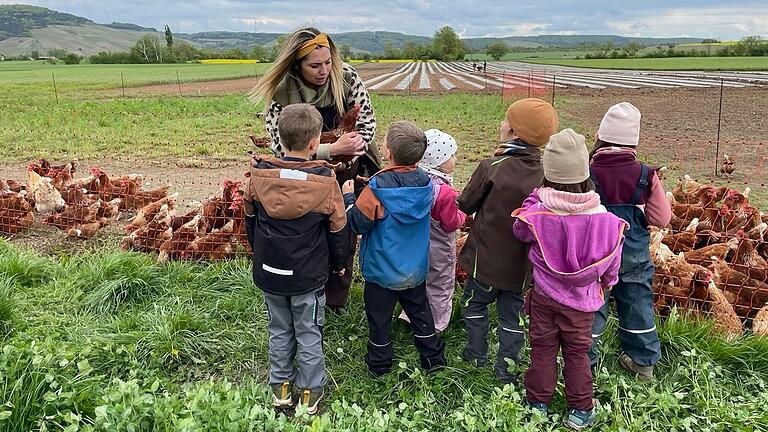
x=309, y=70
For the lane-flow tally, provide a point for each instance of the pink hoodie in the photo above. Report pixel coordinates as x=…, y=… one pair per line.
x=575, y=246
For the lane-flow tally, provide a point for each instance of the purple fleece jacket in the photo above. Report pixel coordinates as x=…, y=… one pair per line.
x=575, y=246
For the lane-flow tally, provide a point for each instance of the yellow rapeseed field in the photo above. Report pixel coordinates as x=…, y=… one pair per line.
x=229, y=61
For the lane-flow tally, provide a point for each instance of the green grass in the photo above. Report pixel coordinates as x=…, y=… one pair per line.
x=676, y=63
x=35, y=78
x=192, y=355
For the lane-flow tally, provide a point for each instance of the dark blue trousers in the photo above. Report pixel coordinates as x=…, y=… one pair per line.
x=637, y=325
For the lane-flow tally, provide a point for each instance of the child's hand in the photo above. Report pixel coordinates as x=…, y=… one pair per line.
x=348, y=187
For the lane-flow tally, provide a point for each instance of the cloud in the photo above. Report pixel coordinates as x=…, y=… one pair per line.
x=652, y=18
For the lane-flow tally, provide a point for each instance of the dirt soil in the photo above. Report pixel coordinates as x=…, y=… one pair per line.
x=679, y=129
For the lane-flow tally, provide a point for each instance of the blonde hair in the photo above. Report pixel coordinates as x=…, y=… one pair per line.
x=287, y=62
x=299, y=124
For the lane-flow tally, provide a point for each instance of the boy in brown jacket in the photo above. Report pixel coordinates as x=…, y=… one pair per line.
x=296, y=225
x=494, y=259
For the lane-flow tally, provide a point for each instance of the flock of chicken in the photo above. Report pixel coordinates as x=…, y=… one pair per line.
x=81, y=207
x=712, y=260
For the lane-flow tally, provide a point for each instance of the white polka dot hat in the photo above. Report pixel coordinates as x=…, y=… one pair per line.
x=440, y=147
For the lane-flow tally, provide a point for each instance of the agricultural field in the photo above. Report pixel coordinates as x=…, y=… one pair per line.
x=666, y=64
x=524, y=55
x=94, y=338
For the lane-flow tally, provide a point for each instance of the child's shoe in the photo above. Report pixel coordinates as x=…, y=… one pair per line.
x=311, y=398
x=644, y=373
x=282, y=394
x=578, y=419
x=539, y=406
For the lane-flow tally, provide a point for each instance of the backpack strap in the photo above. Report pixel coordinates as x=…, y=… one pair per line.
x=642, y=184
x=597, y=185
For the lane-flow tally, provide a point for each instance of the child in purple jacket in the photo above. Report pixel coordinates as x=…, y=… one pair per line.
x=576, y=254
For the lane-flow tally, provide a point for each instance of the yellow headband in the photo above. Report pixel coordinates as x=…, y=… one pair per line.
x=320, y=40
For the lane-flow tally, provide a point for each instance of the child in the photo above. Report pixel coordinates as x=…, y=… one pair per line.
x=494, y=259
x=576, y=253
x=632, y=191
x=439, y=161
x=392, y=215
x=296, y=226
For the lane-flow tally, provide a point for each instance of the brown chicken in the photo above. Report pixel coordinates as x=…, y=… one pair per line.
x=461, y=274
x=180, y=239
x=347, y=124
x=745, y=294
x=73, y=216
x=760, y=323
x=135, y=198
x=241, y=232
x=213, y=246
x=109, y=189
x=686, y=191
x=263, y=142
x=721, y=251
x=728, y=167
x=151, y=236
x=85, y=231
x=216, y=211
x=747, y=260
x=108, y=212
x=683, y=241
x=14, y=186
x=737, y=200
x=16, y=213
x=148, y=212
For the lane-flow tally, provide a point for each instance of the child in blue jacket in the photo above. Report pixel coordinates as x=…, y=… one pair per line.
x=393, y=216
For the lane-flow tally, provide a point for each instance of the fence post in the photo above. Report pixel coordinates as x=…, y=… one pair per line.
x=122, y=82
x=178, y=82
x=719, y=121
x=530, y=77
x=554, y=84
x=55, y=90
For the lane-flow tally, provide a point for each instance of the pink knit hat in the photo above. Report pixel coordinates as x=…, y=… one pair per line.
x=620, y=125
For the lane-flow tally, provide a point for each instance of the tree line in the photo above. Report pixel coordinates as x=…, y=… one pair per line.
x=747, y=47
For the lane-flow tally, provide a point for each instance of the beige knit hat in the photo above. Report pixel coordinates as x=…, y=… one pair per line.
x=620, y=125
x=533, y=120
x=566, y=158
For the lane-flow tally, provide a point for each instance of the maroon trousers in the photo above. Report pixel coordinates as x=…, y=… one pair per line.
x=554, y=327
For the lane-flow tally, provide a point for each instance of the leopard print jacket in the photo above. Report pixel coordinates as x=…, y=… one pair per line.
x=357, y=94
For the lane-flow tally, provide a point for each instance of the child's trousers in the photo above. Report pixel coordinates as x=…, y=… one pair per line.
x=509, y=304
x=296, y=322
x=379, y=305
x=637, y=325
x=554, y=327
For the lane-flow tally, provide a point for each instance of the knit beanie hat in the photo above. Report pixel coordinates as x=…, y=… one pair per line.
x=533, y=120
x=620, y=125
x=440, y=147
x=566, y=158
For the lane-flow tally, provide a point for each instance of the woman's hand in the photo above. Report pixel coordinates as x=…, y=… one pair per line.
x=350, y=144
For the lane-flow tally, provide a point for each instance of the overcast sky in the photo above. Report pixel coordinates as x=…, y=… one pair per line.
x=725, y=20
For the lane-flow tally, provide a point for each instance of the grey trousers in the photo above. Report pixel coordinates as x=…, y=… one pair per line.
x=511, y=335
x=296, y=322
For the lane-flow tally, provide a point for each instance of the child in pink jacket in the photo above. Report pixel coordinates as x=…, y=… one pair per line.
x=439, y=161
x=576, y=254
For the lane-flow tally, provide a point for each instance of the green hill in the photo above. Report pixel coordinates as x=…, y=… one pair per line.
x=20, y=20
x=27, y=28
